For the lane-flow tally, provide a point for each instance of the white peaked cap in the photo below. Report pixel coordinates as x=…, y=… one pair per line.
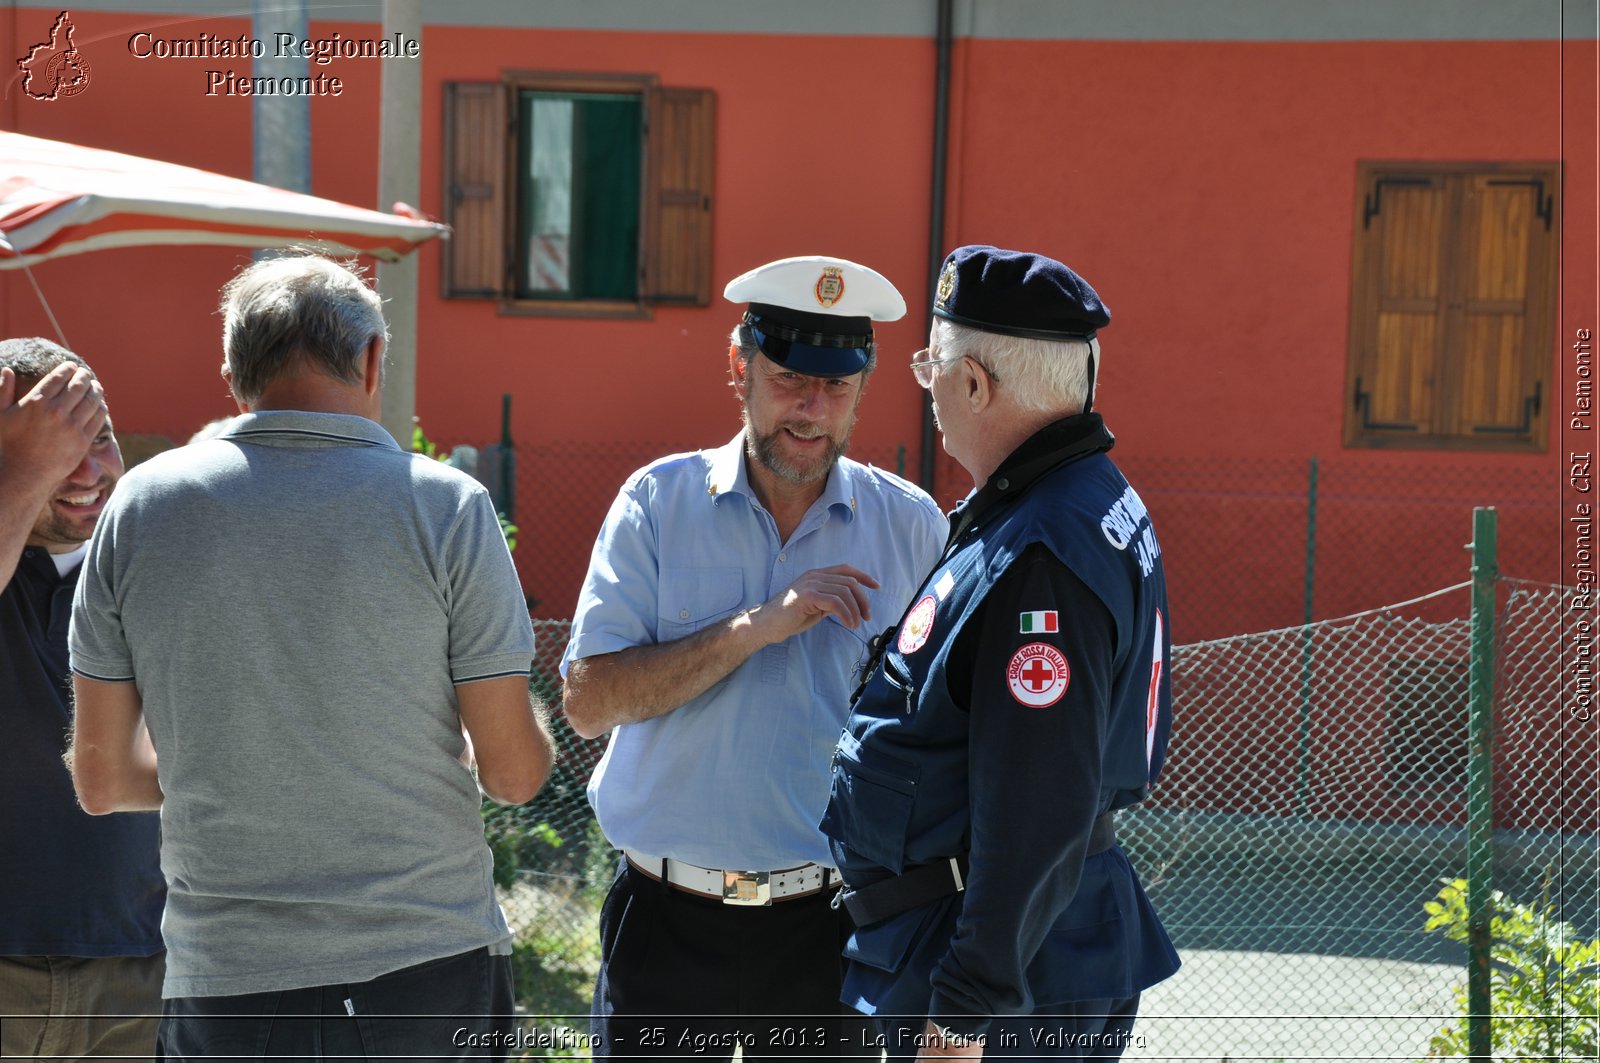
x=820, y=284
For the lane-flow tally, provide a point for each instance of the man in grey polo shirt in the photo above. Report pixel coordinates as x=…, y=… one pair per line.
x=306, y=618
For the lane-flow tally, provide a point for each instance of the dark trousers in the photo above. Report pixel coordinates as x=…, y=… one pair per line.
x=1087, y=1029
x=459, y=1007
x=688, y=976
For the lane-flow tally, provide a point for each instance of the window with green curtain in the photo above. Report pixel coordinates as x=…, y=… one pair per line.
x=580, y=164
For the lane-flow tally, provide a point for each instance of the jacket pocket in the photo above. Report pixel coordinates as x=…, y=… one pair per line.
x=869, y=809
x=888, y=945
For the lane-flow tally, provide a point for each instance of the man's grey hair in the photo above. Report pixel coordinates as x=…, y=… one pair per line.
x=300, y=311
x=32, y=358
x=1050, y=376
x=744, y=341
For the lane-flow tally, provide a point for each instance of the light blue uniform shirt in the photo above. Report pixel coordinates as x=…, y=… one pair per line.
x=738, y=777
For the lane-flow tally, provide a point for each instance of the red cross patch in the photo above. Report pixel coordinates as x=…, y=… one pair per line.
x=1038, y=675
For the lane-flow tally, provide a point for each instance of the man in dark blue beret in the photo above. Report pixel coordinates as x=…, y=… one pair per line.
x=1022, y=699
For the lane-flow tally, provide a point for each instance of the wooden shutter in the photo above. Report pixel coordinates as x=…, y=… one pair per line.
x=681, y=159
x=1398, y=324
x=475, y=137
x=1452, y=305
x=1506, y=303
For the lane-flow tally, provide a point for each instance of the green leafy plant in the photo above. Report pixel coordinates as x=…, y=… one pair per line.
x=1544, y=979
x=516, y=843
x=420, y=443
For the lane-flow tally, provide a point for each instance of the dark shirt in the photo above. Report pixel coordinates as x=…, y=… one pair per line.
x=71, y=884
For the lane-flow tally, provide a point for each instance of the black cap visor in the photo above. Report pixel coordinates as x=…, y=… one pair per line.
x=813, y=344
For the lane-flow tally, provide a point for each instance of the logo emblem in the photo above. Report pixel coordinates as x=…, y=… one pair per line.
x=830, y=286
x=947, y=286
x=1038, y=675
x=55, y=69
x=919, y=622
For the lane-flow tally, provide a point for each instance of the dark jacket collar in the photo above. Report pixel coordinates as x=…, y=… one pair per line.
x=1057, y=443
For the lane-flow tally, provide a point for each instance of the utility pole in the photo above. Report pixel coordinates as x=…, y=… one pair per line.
x=400, y=155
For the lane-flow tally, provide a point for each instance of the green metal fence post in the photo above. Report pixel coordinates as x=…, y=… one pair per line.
x=1303, y=774
x=1480, y=782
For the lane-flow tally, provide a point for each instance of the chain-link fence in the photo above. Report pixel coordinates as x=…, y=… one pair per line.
x=1315, y=802
x=1265, y=543
x=1317, y=799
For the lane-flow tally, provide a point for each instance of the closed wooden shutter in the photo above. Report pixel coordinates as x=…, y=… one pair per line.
x=1452, y=306
x=1507, y=294
x=681, y=144
x=475, y=137
x=1407, y=248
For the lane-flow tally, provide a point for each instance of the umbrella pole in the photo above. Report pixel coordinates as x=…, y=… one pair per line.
x=51, y=314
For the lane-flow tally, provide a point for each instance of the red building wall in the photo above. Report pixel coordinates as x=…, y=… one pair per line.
x=1205, y=187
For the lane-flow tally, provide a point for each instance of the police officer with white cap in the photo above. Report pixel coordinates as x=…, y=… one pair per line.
x=725, y=618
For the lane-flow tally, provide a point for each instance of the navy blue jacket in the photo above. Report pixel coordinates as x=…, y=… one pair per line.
x=1024, y=693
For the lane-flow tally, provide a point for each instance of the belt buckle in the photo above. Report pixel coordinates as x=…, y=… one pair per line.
x=746, y=888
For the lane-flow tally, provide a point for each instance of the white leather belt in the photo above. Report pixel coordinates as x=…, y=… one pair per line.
x=756, y=888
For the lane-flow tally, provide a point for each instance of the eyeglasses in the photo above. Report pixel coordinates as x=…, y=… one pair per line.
x=922, y=367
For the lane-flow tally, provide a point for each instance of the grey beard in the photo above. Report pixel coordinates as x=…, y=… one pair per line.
x=765, y=451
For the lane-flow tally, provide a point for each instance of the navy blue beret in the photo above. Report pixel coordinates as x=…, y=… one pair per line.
x=1017, y=294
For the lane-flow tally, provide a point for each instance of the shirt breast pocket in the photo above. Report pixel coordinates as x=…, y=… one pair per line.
x=695, y=598
x=840, y=654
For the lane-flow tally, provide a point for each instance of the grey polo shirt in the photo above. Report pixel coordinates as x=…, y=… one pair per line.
x=296, y=601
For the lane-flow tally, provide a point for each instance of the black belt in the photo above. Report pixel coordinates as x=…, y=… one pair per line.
x=932, y=882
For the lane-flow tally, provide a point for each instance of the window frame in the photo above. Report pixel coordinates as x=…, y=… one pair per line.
x=482, y=186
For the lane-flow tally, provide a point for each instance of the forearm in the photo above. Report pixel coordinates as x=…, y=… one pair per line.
x=643, y=682
x=118, y=777
x=508, y=731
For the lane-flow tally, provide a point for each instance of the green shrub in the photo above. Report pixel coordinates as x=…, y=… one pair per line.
x=1544, y=980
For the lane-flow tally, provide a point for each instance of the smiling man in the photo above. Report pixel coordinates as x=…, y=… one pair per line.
x=729, y=604
x=80, y=898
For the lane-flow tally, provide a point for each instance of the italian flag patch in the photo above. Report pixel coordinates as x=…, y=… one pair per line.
x=1033, y=623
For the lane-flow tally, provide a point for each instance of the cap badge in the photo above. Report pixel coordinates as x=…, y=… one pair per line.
x=947, y=284
x=830, y=286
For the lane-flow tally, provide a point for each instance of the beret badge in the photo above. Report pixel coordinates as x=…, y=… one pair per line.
x=947, y=285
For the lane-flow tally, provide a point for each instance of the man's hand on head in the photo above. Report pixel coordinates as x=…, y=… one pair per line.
x=45, y=432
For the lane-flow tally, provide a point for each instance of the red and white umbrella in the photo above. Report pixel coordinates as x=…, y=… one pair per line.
x=61, y=199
